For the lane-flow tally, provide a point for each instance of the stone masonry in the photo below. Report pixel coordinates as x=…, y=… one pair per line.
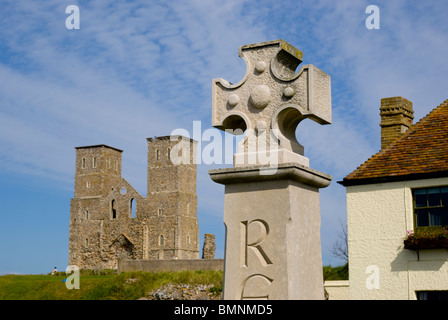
x=271, y=199
x=208, y=251
x=110, y=220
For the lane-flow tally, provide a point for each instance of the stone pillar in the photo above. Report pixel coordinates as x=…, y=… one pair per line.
x=272, y=224
x=271, y=203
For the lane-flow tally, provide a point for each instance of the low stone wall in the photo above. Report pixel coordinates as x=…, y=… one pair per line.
x=338, y=289
x=170, y=265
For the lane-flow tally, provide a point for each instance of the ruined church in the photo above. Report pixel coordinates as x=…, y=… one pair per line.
x=110, y=220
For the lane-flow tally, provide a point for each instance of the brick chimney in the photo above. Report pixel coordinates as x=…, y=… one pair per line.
x=396, y=118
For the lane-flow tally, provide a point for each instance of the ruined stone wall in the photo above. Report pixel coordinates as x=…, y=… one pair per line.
x=208, y=250
x=110, y=220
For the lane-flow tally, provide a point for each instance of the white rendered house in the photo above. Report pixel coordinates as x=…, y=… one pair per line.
x=401, y=190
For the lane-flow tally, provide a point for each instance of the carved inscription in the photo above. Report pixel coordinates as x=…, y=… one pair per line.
x=254, y=285
x=253, y=233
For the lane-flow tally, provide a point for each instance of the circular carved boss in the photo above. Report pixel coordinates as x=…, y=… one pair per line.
x=260, y=96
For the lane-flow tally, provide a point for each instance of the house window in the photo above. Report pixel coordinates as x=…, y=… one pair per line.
x=161, y=240
x=94, y=162
x=83, y=163
x=431, y=207
x=432, y=295
x=86, y=242
x=157, y=154
x=168, y=153
x=87, y=214
x=159, y=211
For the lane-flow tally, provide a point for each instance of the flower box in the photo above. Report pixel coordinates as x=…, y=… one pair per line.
x=422, y=243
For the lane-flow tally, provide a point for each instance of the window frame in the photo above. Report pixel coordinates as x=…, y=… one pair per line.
x=434, y=295
x=442, y=207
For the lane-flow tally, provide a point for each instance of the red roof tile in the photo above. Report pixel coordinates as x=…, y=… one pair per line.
x=422, y=152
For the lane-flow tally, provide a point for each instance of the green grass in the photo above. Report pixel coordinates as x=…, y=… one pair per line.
x=336, y=273
x=110, y=286
x=125, y=286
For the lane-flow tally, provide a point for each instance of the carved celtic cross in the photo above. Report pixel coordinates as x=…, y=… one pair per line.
x=272, y=99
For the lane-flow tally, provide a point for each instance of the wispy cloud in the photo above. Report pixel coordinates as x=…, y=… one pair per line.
x=138, y=69
x=129, y=66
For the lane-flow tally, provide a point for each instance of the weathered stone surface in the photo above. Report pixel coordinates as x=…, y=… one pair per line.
x=271, y=99
x=208, y=250
x=272, y=223
x=110, y=220
x=272, y=210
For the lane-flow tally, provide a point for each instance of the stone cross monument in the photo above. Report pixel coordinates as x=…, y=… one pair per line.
x=271, y=204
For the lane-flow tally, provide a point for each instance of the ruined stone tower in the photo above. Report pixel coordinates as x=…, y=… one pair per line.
x=110, y=220
x=173, y=220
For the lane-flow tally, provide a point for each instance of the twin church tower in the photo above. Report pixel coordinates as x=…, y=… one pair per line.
x=110, y=220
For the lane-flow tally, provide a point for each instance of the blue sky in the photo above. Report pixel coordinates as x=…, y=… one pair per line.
x=138, y=69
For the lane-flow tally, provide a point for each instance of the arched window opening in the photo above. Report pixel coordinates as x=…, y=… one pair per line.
x=133, y=208
x=161, y=240
x=114, y=211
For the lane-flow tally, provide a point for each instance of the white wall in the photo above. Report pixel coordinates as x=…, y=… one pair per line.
x=378, y=216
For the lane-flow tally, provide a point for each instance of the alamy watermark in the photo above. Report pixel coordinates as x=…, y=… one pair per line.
x=256, y=147
x=72, y=281
x=373, y=20
x=73, y=20
x=373, y=278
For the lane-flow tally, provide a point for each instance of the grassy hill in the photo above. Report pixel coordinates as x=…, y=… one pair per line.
x=110, y=286
x=107, y=286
